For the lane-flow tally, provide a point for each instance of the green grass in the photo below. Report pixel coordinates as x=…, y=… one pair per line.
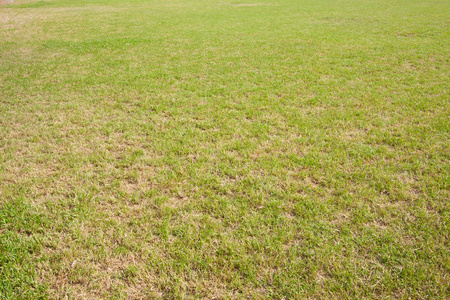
x=229, y=149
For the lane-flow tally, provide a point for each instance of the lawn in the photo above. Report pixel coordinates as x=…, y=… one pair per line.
x=185, y=149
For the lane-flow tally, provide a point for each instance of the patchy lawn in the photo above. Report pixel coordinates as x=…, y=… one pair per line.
x=216, y=149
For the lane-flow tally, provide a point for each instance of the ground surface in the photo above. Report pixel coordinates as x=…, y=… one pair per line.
x=228, y=149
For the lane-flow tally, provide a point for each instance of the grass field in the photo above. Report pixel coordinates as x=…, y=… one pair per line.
x=284, y=149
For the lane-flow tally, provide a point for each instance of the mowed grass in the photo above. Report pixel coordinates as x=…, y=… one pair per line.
x=283, y=149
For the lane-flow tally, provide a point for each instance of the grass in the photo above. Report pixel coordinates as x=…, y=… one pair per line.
x=228, y=149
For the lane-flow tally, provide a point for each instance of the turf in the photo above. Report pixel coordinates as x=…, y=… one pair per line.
x=224, y=149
